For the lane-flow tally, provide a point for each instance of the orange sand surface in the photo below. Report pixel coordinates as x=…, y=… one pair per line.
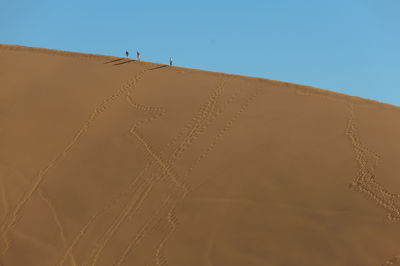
x=111, y=161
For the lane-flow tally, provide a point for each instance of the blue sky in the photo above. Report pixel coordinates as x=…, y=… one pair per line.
x=349, y=46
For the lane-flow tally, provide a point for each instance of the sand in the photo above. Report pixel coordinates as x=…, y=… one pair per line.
x=111, y=161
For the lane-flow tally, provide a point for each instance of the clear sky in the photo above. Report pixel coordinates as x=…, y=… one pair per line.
x=349, y=46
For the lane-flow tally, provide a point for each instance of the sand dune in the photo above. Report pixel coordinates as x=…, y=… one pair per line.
x=111, y=161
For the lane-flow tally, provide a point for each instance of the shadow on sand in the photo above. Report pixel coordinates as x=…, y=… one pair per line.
x=112, y=61
x=125, y=62
x=157, y=68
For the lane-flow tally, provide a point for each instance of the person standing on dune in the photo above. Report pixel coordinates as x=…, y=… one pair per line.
x=170, y=61
x=127, y=53
x=138, y=55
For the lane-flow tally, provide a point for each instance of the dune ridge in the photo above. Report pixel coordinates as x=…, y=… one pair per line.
x=112, y=161
x=305, y=88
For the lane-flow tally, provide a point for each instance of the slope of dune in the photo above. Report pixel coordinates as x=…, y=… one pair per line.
x=111, y=161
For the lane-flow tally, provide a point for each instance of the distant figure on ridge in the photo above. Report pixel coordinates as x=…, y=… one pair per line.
x=127, y=53
x=170, y=61
x=138, y=55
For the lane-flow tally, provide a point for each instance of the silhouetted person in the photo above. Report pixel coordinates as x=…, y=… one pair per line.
x=138, y=55
x=127, y=53
x=170, y=61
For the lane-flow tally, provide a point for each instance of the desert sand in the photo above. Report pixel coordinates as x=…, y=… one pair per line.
x=111, y=161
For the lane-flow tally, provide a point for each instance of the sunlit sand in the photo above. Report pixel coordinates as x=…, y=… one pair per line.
x=112, y=161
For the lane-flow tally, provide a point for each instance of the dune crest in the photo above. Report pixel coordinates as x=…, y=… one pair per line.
x=112, y=161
